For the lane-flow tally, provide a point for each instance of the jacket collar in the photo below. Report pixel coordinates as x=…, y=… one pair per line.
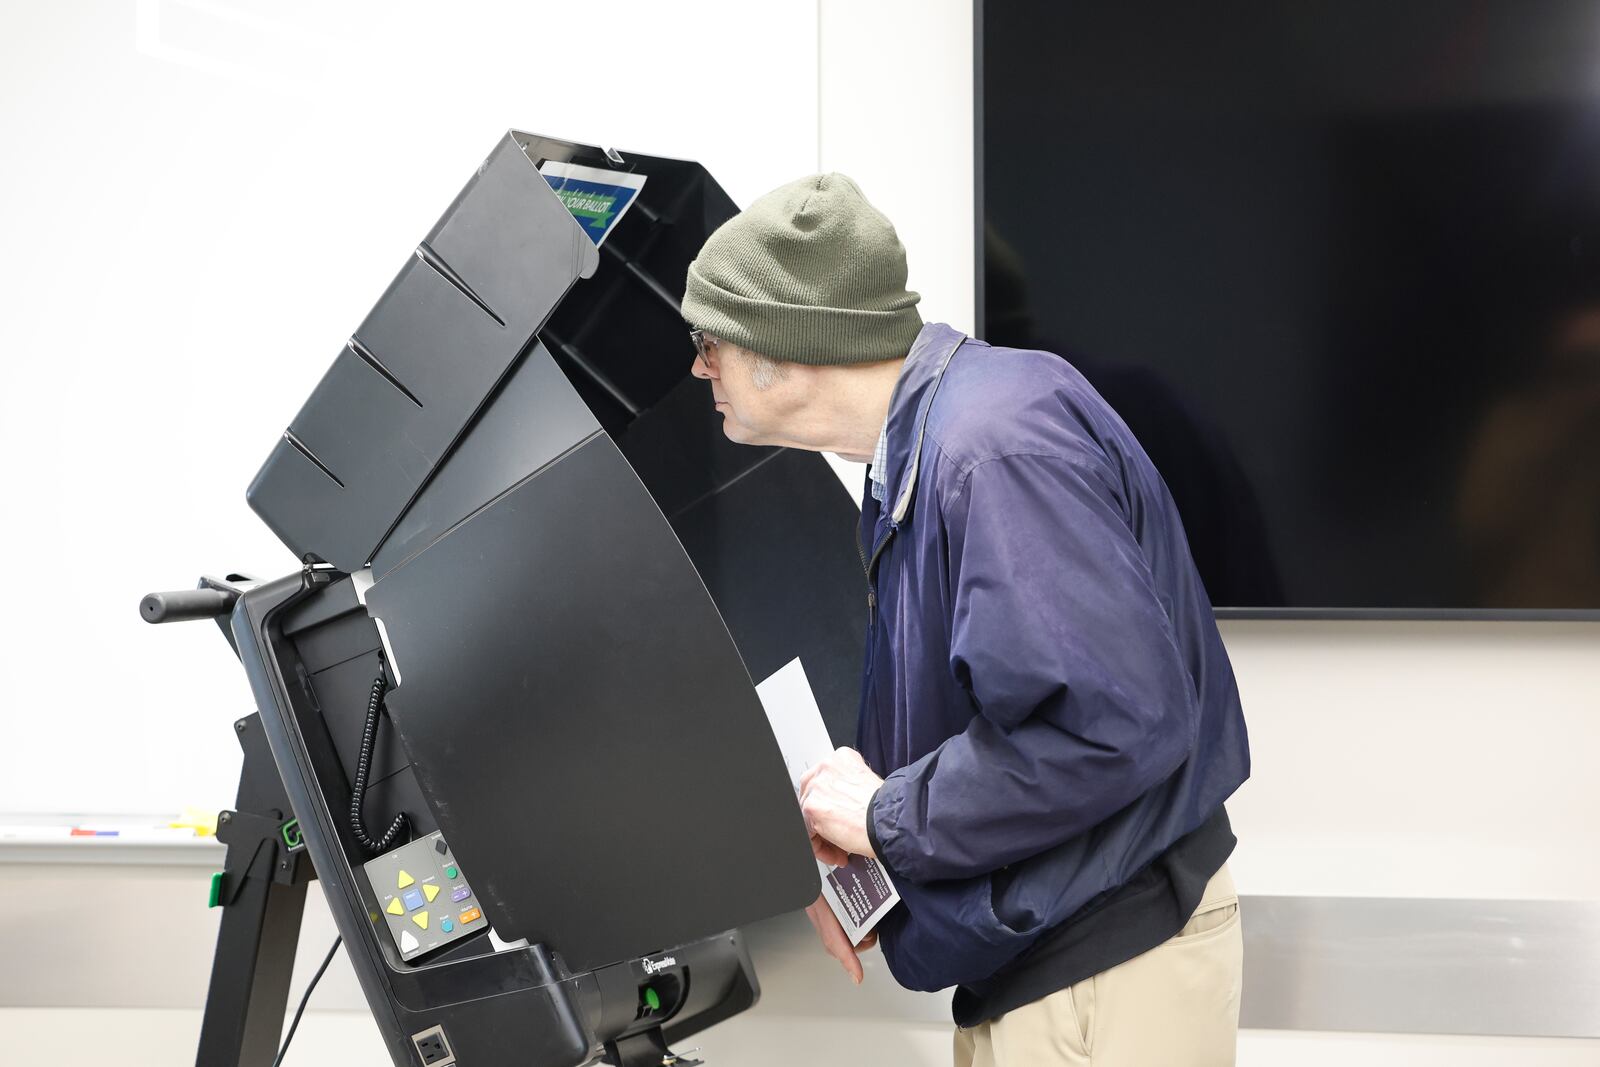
x=913, y=396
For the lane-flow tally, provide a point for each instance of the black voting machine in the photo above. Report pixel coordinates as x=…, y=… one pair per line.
x=504, y=711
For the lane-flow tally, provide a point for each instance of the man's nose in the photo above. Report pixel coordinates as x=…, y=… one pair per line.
x=699, y=369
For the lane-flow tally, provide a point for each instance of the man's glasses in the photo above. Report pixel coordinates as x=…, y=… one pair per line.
x=702, y=346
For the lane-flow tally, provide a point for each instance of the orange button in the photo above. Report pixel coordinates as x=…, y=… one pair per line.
x=470, y=915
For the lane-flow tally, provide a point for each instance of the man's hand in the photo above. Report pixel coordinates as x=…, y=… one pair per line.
x=833, y=798
x=836, y=941
x=828, y=852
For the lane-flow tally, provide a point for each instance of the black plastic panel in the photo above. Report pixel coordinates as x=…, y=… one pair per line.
x=621, y=335
x=772, y=533
x=422, y=363
x=533, y=418
x=576, y=713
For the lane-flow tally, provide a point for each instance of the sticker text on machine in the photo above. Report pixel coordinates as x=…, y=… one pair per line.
x=657, y=966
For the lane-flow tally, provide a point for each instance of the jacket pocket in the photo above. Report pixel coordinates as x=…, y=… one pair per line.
x=949, y=935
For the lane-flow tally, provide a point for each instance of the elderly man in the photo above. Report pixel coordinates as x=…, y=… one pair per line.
x=1049, y=722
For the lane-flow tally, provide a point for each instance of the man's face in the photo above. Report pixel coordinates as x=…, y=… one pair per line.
x=751, y=414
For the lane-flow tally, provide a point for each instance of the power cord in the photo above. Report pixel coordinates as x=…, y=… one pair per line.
x=278, y=1062
x=358, y=789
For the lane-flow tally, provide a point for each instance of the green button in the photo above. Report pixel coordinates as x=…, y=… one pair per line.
x=216, y=890
x=450, y=871
x=652, y=999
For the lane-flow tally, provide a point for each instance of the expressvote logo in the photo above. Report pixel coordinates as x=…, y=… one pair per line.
x=657, y=966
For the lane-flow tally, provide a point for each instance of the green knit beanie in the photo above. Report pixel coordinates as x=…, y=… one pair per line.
x=809, y=273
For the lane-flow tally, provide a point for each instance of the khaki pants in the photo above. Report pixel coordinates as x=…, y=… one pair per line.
x=1175, y=1006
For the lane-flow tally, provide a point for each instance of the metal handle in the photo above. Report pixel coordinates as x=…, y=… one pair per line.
x=186, y=604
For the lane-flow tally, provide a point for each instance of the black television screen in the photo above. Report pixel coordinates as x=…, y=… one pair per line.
x=1337, y=264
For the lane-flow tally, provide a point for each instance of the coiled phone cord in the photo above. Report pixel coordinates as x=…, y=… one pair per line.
x=358, y=789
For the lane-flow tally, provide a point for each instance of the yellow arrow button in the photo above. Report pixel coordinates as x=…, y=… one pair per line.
x=406, y=879
x=395, y=907
x=430, y=891
x=421, y=919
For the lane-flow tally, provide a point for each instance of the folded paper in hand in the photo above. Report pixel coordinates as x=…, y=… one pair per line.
x=860, y=892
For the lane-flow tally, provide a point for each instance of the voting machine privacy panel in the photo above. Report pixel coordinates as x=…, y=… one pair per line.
x=538, y=582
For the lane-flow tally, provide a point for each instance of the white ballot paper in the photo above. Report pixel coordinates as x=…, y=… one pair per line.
x=860, y=892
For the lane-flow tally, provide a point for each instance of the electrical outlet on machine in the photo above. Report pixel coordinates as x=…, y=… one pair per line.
x=433, y=1048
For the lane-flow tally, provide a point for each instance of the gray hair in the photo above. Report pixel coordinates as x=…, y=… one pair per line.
x=764, y=372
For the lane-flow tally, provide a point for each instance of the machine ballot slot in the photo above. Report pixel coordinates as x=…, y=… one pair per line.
x=425, y=900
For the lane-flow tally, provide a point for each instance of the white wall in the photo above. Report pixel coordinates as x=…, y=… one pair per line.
x=1419, y=759
x=895, y=113
x=201, y=199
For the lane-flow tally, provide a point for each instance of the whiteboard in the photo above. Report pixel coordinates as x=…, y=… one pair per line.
x=201, y=199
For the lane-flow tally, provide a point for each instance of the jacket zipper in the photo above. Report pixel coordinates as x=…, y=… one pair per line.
x=872, y=595
x=868, y=565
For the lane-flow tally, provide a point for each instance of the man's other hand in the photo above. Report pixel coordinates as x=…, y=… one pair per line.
x=836, y=941
x=828, y=852
x=833, y=798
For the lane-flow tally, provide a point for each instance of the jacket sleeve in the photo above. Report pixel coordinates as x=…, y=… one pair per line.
x=1061, y=639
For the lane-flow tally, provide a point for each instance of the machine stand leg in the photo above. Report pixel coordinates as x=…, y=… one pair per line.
x=263, y=895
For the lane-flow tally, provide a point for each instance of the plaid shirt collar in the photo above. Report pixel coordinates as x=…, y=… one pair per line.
x=878, y=472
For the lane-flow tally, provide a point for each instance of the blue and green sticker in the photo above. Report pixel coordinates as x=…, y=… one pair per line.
x=596, y=198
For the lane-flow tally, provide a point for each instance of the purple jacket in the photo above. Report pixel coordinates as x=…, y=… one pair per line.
x=1044, y=686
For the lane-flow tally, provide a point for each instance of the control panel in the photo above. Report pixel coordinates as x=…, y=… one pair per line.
x=423, y=896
